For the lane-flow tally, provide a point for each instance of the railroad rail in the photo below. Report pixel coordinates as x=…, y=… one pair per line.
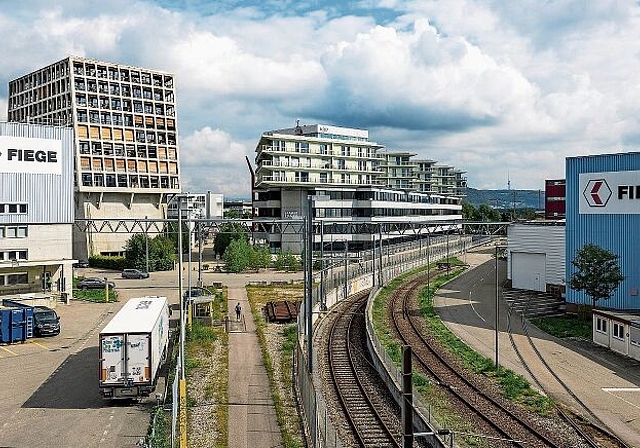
x=491, y=415
x=361, y=398
x=600, y=432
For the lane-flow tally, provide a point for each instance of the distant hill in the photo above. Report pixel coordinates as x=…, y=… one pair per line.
x=504, y=199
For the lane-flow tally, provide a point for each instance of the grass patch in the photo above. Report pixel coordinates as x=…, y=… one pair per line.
x=288, y=418
x=92, y=295
x=160, y=430
x=203, y=341
x=566, y=327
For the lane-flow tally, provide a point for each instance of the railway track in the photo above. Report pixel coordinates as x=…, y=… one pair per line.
x=593, y=434
x=367, y=406
x=492, y=415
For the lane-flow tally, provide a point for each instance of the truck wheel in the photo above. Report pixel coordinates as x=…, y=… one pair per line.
x=84, y=288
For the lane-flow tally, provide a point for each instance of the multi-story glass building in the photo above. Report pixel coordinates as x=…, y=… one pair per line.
x=126, y=145
x=350, y=178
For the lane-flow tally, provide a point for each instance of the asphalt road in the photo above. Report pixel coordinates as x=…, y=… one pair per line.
x=49, y=386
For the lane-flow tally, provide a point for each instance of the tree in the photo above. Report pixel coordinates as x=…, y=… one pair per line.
x=238, y=256
x=135, y=251
x=286, y=261
x=161, y=252
x=228, y=232
x=598, y=273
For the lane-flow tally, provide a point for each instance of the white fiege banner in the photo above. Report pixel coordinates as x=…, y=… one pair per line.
x=605, y=193
x=30, y=155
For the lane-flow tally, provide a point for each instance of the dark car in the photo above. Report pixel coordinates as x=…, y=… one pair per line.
x=81, y=264
x=134, y=273
x=46, y=321
x=94, y=283
x=195, y=292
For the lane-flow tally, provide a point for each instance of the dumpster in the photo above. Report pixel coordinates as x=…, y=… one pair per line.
x=16, y=323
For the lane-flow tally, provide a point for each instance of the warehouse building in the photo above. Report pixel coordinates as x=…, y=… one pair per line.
x=36, y=211
x=125, y=145
x=536, y=256
x=603, y=208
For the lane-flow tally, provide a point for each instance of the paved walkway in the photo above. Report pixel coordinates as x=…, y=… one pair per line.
x=252, y=416
x=607, y=383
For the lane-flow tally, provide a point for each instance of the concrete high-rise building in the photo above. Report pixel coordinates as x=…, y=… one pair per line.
x=126, y=143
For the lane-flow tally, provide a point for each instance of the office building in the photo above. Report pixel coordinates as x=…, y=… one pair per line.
x=125, y=143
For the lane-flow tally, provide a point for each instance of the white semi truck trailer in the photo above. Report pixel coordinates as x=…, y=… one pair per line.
x=133, y=346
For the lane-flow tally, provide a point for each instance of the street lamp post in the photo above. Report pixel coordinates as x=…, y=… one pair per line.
x=497, y=307
x=146, y=242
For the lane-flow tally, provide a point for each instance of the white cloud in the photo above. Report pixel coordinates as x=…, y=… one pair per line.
x=489, y=86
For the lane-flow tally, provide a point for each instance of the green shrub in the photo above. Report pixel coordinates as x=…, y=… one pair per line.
x=108, y=262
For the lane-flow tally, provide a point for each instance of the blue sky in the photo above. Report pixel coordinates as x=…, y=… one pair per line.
x=499, y=89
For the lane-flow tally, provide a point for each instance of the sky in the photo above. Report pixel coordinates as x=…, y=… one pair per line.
x=503, y=90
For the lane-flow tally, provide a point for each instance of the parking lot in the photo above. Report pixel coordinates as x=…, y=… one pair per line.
x=50, y=395
x=50, y=385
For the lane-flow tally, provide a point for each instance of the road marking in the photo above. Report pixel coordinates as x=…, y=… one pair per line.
x=474, y=309
x=40, y=345
x=610, y=391
x=621, y=389
x=9, y=351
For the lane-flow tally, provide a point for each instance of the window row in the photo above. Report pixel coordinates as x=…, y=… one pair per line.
x=127, y=135
x=122, y=74
x=13, y=209
x=131, y=166
x=13, y=255
x=129, y=181
x=131, y=151
x=14, y=279
x=373, y=212
x=122, y=90
x=125, y=106
x=13, y=231
x=322, y=148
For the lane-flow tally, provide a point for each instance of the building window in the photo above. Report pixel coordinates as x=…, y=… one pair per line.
x=13, y=232
x=13, y=209
x=618, y=331
x=14, y=255
x=302, y=147
x=17, y=279
x=601, y=325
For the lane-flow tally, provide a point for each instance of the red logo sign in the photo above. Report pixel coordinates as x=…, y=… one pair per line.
x=597, y=193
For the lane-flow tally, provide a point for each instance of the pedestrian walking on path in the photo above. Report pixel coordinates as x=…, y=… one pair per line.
x=238, y=311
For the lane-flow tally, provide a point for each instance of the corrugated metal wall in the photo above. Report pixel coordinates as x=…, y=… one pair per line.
x=541, y=239
x=49, y=196
x=618, y=233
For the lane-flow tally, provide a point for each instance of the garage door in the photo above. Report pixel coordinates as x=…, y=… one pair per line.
x=527, y=271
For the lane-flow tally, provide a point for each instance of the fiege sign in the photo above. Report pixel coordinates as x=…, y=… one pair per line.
x=30, y=155
x=609, y=193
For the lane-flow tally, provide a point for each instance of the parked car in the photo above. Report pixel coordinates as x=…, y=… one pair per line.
x=46, y=321
x=94, y=283
x=81, y=264
x=195, y=292
x=134, y=273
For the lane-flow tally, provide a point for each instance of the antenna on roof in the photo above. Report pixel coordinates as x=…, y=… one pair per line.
x=298, y=129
